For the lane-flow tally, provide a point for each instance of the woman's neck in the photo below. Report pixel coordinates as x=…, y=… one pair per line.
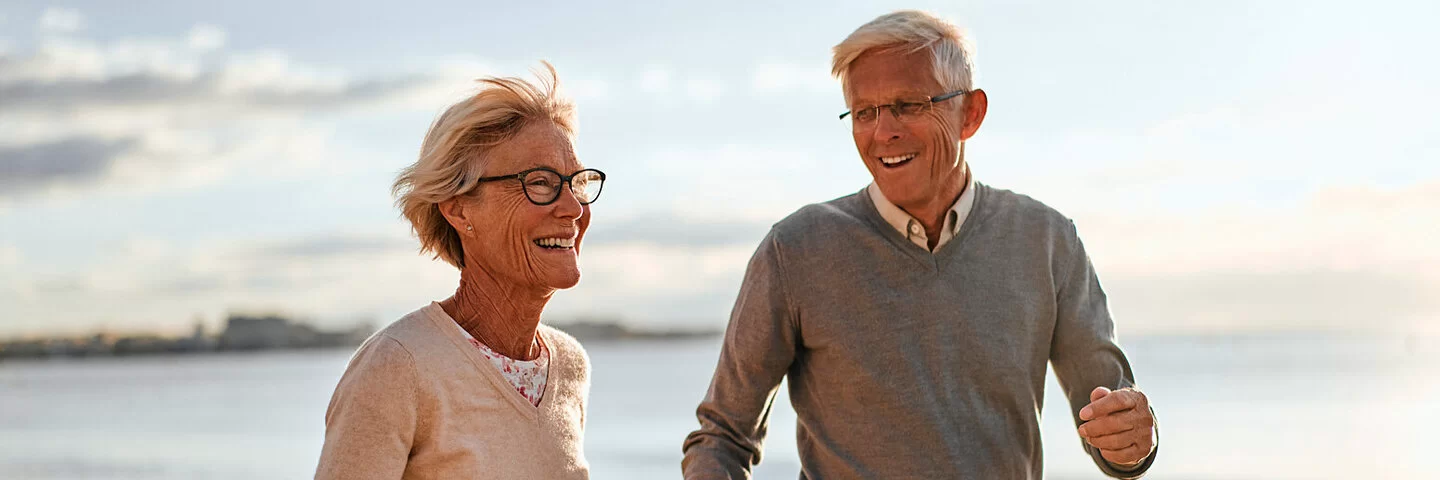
x=498, y=314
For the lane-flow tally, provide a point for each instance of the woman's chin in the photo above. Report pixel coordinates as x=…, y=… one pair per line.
x=562, y=280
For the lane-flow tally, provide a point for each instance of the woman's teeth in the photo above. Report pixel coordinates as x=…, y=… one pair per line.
x=896, y=160
x=556, y=242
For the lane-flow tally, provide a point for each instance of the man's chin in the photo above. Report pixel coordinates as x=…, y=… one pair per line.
x=899, y=193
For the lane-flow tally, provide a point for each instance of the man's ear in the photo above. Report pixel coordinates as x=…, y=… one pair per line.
x=976, y=103
x=454, y=212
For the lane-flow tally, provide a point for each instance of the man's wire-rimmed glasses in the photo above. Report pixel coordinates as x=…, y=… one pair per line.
x=904, y=110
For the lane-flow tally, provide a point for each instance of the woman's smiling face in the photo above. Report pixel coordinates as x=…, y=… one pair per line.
x=533, y=246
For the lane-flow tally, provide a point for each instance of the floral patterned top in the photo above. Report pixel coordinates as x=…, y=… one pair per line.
x=528, y=377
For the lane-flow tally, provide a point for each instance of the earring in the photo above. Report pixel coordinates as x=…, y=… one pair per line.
x=469, y=228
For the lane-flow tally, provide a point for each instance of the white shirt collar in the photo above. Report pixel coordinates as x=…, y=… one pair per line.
x=912, y=229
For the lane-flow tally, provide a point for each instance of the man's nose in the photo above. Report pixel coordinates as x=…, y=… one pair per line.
x=887, y=125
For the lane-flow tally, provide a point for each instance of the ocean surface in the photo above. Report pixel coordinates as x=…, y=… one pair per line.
x=1230, y=407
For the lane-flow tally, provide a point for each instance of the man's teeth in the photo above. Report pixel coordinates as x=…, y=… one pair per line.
x=556, y=242
x=897, y=159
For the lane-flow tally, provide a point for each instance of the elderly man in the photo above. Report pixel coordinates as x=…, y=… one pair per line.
x=916, y=317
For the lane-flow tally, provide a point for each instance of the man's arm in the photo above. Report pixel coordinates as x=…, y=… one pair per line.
x=1086, y=358
x=758, y=349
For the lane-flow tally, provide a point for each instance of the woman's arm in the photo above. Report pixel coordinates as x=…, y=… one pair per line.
x=370, y=425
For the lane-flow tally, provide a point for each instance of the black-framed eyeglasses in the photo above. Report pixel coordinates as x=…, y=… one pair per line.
x=905, y=111
x=542, y=185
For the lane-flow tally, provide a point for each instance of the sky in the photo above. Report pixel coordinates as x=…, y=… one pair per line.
x=1231, y=166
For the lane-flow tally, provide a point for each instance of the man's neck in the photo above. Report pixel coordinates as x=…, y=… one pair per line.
x=498, y=314
x=932, y=214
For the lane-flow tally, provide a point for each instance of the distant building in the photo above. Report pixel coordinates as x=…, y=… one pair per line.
x=243, y=332
x=595, y=330
x=599, y=328
x=142, y=344
x=198, y=340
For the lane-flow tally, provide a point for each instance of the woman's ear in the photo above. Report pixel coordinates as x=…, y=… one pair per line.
x=454, y=211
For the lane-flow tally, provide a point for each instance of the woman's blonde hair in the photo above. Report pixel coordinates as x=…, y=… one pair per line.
x=455, y=149
x=906, y=31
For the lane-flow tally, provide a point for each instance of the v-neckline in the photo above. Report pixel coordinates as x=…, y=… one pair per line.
x=932, y=260
x=486, y=369
x=917, y=253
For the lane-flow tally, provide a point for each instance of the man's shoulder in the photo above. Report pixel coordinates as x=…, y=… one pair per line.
x=1021, y=207
x=821, y=217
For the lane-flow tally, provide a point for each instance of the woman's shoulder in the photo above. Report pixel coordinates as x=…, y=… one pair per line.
x=412, y=337
x=560, y=340
x=568, y=350
x=414, y=329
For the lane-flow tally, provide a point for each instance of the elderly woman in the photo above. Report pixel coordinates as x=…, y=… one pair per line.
x=474, y=386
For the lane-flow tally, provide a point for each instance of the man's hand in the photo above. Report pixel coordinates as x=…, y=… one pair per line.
x=1120, y=424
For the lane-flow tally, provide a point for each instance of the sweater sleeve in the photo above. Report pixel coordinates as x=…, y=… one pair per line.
x=1084, y=351
x=370, y=425
x=758, y=349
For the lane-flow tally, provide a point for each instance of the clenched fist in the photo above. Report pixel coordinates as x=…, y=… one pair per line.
x=1119, y=424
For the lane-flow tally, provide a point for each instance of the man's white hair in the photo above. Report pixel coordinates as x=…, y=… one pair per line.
x=952, y=52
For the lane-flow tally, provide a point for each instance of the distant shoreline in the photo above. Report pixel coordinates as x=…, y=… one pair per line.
x=272, y=333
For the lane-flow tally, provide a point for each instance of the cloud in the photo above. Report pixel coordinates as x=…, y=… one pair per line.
x=655, y=79
x=80, y=77
x=1266, y=147
x=586, y=90
x=61, y=20
x=162, y=158
x=650, y=277
x=1339, y=228
x=225, y=89
x=206, y=37
x=9, y=256
x=672, y=230
x=155, y=283
x=165, y=113
x=1292, y=300
x=1350, y=259
x=451, y=78
x=776, y=77
x=331, y=245
x=68, y=161
x=1345, y=258
x=744, y=181
x=662, y=85
x=652, y=285
x=275, y=268
x=705, y=90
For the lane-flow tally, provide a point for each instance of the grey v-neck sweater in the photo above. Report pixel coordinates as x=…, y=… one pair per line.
x=903, y=363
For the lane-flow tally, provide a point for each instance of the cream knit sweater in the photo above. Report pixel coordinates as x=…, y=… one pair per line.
x=419, y=402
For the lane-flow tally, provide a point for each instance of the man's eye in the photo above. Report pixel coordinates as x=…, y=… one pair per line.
x=910, y=108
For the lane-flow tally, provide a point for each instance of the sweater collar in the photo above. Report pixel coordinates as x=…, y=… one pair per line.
x=911, y=228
